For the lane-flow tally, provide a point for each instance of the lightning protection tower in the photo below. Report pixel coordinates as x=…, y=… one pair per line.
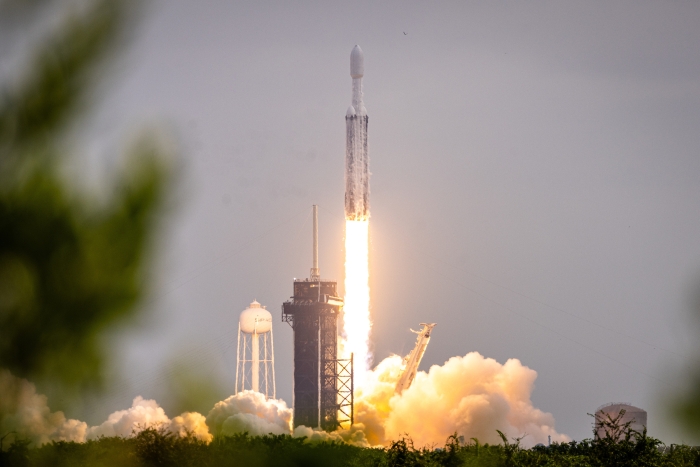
x=323, y=385
x=255, y=368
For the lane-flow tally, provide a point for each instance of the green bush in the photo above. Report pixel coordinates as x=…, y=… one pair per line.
x=157, y=447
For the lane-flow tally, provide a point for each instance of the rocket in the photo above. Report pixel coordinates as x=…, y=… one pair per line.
x=356, y=155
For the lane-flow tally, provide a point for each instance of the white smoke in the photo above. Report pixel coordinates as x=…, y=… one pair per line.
x=24, y=414
x=471, y=395
x=143, y=413
x=355, y=435
x=146, y=413
x=27, y=414
x=247, y=411
x=250, y=411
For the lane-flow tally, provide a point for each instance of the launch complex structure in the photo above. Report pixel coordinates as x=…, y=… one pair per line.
x=323, y=383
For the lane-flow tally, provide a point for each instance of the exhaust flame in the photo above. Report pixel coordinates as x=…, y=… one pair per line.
x=356, y=319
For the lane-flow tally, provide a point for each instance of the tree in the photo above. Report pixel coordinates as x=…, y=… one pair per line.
x=69, y=266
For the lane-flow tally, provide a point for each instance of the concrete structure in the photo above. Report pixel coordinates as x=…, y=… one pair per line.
x=255, y=366
x=323, y=391
x=607, y=413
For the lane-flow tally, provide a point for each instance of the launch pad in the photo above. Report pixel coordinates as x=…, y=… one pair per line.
x=323, y=383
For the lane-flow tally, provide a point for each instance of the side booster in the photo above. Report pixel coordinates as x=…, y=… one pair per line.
x=356, y=154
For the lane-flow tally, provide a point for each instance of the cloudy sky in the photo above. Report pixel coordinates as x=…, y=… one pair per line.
x=535, y=174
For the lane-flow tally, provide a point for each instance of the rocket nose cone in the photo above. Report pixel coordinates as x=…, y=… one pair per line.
x=357, y=62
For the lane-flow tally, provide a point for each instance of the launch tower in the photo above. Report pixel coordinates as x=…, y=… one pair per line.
x=323, y=386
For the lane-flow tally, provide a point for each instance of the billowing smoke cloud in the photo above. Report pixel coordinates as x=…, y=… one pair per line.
x=146, y=413
x=471, y=395
x=27, y=414
x=249, y=411
x=191, y=423
x=355, y=435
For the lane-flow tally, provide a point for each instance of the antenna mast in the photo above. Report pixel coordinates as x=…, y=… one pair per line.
x=315, y=273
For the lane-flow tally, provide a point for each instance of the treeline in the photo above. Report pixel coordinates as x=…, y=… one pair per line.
x=154, y=447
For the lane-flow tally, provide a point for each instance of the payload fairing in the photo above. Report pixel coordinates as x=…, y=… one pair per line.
x=356, y=155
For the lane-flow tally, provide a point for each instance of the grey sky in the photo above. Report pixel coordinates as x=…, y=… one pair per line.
x=544, y=149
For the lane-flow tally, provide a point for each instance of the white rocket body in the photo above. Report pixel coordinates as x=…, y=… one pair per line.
x=356, y=154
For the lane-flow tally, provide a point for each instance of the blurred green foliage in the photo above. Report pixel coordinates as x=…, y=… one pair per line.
x=69, y=266
x=154, y=447
x=191, y=387
x=686, y=407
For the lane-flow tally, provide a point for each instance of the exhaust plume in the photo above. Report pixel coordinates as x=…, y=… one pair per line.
x=471, y=395
x=356, y=316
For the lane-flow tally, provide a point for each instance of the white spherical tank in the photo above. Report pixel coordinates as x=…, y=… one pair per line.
x=255, y=319
x=634, y=415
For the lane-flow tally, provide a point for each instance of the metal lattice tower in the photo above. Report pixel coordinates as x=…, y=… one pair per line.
x=323, y=387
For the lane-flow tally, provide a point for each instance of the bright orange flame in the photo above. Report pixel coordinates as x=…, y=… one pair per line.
x=356, y=318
